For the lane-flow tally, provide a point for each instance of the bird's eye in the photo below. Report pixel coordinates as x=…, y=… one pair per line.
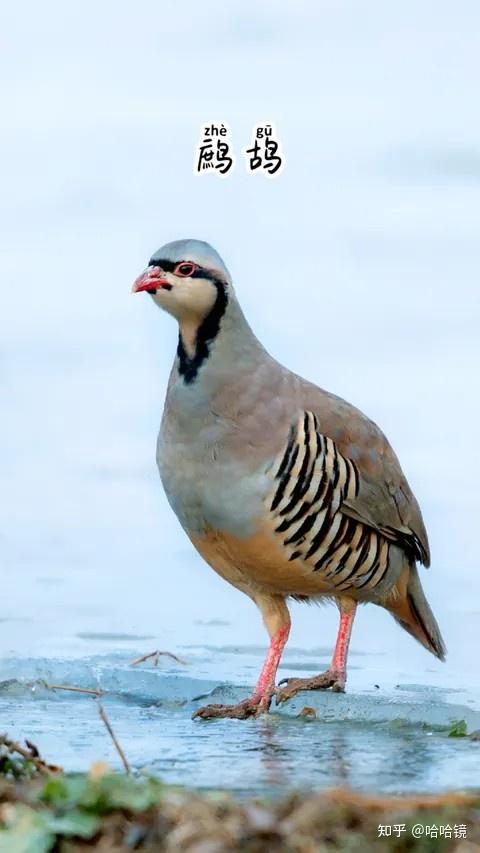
x=185, y=269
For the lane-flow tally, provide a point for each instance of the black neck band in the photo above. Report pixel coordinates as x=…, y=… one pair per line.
x=206, y=334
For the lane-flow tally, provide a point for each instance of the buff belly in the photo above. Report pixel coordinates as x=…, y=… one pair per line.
x=258, y=563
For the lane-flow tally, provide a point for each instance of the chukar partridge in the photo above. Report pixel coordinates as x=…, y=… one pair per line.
x=286, y=490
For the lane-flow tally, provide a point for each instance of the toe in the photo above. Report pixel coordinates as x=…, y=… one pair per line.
x=285, y=693
x=245, y=709
x=207, y=711
x=333, y=680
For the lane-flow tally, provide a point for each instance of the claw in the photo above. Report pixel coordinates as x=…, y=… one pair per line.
x=253, y=707
x=329, y=679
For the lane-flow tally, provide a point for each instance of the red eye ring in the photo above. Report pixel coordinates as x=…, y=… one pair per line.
x=185, y=269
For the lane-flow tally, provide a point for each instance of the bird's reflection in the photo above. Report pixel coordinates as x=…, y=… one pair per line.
x=274, y=754
x=299, y=753
x=281, y=746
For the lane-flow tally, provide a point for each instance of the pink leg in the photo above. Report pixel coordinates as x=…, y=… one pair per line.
x=266, y=681
x=339, y=660
x=261, y=698
x=336, y=675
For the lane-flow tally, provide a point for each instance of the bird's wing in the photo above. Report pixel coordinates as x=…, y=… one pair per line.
x=316, y=482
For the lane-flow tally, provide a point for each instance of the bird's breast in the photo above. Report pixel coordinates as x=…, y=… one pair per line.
x=208, y=490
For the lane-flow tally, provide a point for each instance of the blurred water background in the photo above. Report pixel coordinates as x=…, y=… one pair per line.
x=358, y=267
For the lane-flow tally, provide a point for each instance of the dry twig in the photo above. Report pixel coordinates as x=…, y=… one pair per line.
x=156, y=656
x=91, y=691
x=31, y=753
x=110, y=731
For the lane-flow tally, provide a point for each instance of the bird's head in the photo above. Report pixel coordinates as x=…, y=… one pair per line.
x=185, y=278
x=188, y=279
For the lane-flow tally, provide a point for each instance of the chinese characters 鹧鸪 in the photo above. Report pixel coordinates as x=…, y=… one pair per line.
x=265, y=152
x=213, y=152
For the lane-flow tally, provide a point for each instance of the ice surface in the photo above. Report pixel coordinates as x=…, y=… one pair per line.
x=395, y=739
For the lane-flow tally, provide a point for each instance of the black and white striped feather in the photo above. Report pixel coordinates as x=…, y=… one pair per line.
x=312, y=480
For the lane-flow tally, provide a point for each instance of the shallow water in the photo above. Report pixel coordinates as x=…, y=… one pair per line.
x=383, y=736
x=358, y=267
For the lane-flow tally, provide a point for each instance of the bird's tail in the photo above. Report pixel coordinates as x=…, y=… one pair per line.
x=412, y=611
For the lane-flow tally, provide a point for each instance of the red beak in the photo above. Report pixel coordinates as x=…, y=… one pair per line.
x=151, y=280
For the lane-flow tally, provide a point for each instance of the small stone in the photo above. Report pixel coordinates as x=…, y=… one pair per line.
x=310, y=713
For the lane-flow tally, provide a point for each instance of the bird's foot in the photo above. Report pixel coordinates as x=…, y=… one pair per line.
x=331, y=678
x=254, y=706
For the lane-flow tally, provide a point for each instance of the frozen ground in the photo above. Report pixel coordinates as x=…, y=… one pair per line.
x=358, y=267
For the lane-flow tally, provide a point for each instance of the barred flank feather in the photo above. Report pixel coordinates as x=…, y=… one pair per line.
x=312, y=481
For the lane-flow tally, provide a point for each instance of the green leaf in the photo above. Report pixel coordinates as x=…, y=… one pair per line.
x=76, y=823
x=100, y=796
x=65, y=791
x=116, y=791
x=458, y=729
x=26, y=831
x=16, y=768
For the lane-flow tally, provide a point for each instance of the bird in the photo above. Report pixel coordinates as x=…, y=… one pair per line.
x=287, y=491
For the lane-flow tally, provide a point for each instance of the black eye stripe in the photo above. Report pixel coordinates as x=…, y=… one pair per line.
x=167, y=266
x=200, y=272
